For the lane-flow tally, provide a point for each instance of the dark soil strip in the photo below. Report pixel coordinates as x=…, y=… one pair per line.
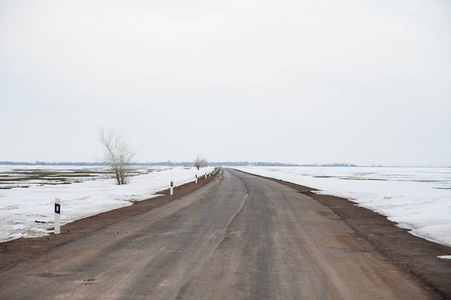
x=15, y=251
x=413, y=254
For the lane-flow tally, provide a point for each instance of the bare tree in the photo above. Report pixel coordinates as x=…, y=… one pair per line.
x=118, y=154
x=200, y=162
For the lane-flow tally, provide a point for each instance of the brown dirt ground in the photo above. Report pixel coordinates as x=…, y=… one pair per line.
x=412, y=254
x=15, y=251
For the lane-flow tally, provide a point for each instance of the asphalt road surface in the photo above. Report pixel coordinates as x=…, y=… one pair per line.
x=239, y=237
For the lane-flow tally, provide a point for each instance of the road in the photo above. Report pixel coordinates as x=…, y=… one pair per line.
x=239, y=237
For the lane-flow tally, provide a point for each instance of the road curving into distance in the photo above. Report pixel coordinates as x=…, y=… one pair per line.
x=239, y=237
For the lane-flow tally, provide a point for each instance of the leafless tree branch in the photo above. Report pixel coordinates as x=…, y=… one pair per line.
x=118, y=154
x=200, y=162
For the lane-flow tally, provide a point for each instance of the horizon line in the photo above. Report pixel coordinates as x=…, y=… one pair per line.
x=218, y=163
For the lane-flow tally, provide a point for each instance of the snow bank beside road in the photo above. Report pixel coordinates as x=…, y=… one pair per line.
x=416, y=198
x=20, y=208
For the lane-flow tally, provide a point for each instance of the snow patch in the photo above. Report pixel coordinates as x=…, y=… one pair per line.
x=418, y=199
x=29, y=212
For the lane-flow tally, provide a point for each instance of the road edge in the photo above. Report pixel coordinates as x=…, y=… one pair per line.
x=412, y=254
x=19, y=250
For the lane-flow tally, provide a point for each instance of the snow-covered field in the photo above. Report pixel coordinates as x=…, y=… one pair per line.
x=416, y=198
x=27, y=209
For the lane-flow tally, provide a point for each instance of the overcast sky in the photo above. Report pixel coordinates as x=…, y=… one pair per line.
x=313, y=81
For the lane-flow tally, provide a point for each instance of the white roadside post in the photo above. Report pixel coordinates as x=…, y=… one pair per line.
x=57, y=229
x=172, y=188
x=196, y=178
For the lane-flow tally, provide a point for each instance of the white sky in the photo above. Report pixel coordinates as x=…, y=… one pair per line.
x=355, y=81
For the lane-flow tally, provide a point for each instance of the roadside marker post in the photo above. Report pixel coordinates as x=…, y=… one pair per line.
x=57, y=229
x=172, y=188
x=196, y=178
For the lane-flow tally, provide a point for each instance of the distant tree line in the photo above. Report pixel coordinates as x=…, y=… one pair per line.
x=182, y=164
x=330, y=165
x=43, y=163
